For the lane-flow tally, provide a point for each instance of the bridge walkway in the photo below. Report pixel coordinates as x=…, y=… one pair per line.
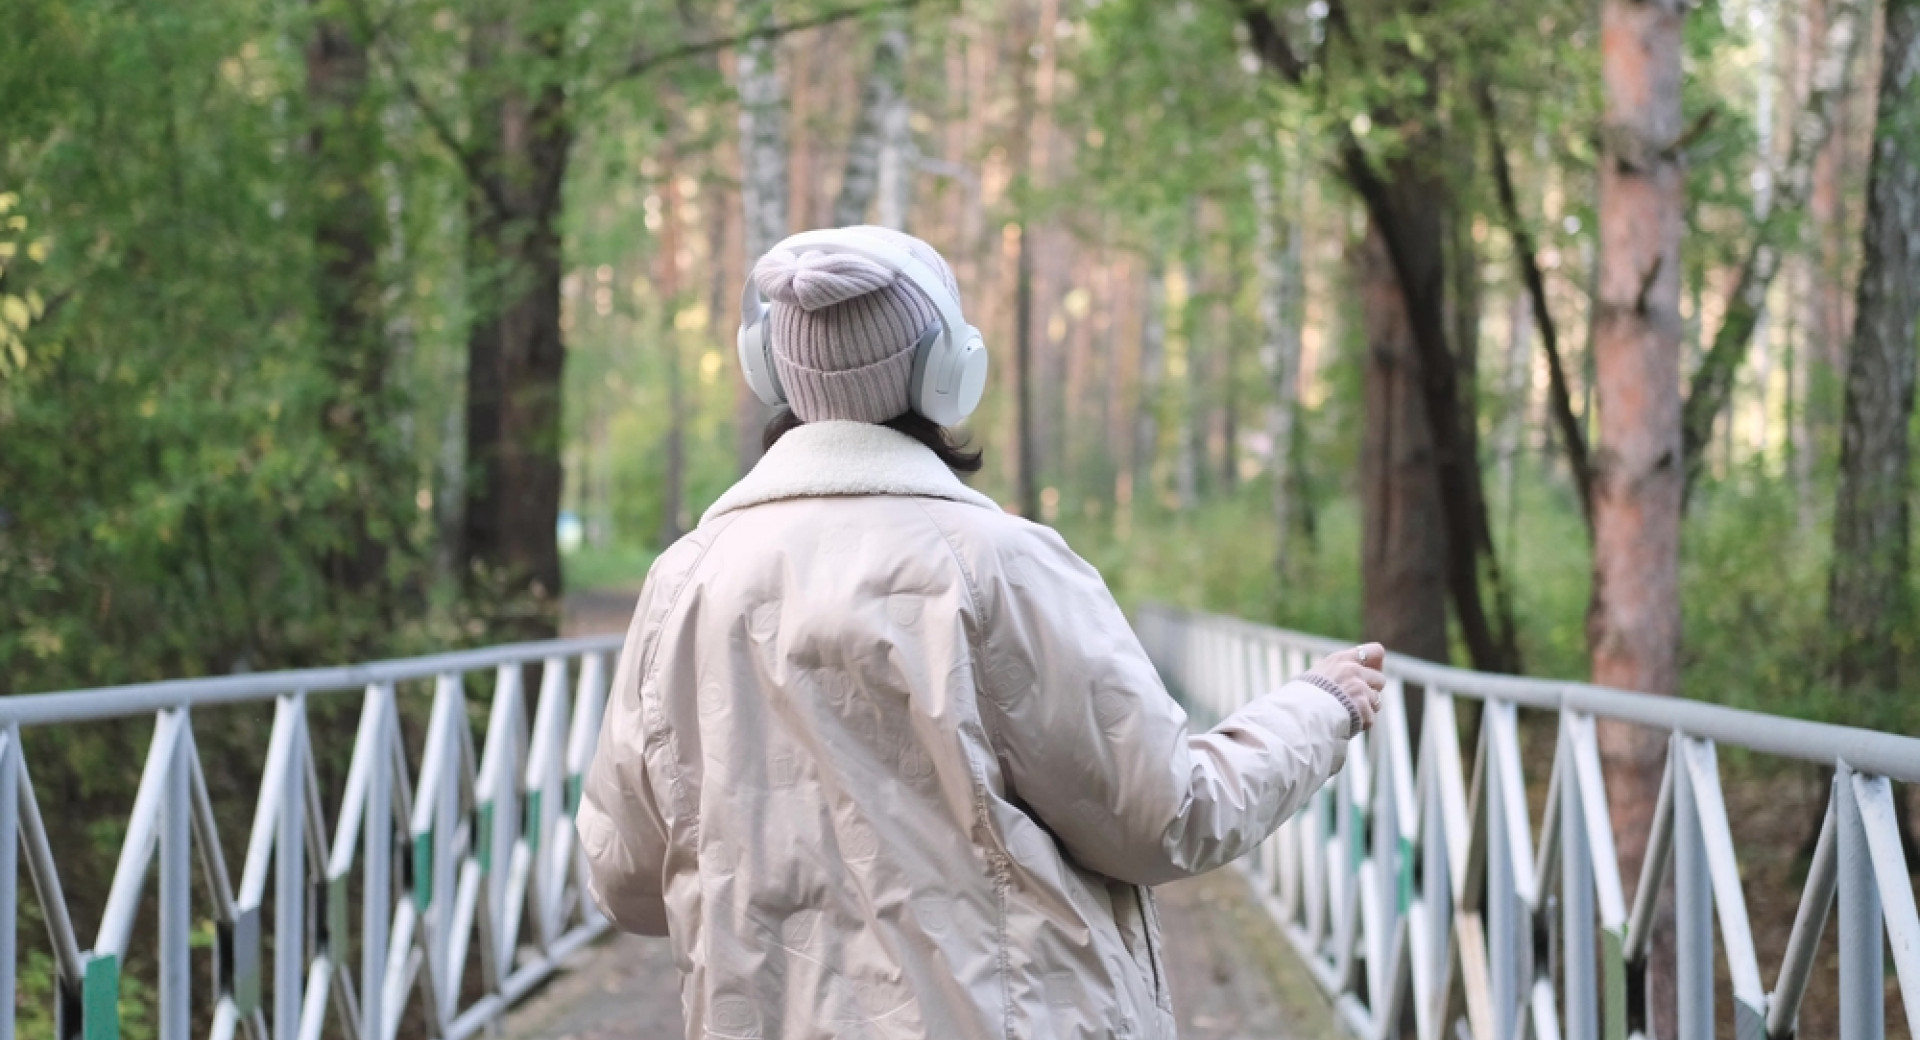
x=1233, y=978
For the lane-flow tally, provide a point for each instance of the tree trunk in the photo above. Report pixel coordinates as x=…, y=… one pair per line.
x=667, y=283
x=344, y=145
x=1515, y=397
x=486, y=230
x=1633, y=621
x=763, y=185
x=1277, y=265
x=1027, y=160
x=1026, y=492
x=515, y=356
x=1403, y=540
x=883, y=114
x=893, y=203
x=1868, y=609
x=1712, y=384
x=1153, y=348
x=1826, y=220
x=1194, y=405
x=1226, y=361
x=1406, y=202
x=1409, y=213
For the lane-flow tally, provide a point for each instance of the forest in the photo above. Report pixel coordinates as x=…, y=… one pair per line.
x=1500, y=333
x=1574, y=340
x=1496, y=332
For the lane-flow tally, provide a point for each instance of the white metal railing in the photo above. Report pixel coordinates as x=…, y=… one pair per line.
x=467, y=849
x=1413, y=888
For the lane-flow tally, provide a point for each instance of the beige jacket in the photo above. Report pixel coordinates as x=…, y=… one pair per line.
x=887, y=762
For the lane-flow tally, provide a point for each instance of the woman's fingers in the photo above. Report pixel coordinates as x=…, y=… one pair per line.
x=1365, y=704
x=1372, y=680
x=1367, y=655
x=1358, y=671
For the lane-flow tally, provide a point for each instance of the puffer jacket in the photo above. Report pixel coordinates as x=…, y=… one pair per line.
x=887, y=762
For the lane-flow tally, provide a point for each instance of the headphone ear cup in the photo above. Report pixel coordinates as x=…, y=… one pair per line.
x=972, y=381
x=949, y=387
x=755, y=346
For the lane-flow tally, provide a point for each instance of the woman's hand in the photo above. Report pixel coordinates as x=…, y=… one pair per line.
x=1355, y=677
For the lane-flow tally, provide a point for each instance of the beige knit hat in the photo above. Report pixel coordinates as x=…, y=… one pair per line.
x=844, y=328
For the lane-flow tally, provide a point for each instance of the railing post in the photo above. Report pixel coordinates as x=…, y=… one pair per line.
x=582, y=735
x=1692, y=903
x=1436, y=852
x=376, y=846
x=1863, y=1010
x=176, y=919
x=1511, y=887
x=289, y=879
x=1502, y=929
x=10, y=838
x=1576, y=897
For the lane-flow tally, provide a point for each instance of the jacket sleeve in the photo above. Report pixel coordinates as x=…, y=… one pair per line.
x=619, y=821
x=1095, y=747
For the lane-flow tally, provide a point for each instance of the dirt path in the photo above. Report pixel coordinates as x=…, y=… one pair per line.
x=1233, y=975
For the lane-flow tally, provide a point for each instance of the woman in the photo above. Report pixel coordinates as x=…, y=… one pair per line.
x=885, y=761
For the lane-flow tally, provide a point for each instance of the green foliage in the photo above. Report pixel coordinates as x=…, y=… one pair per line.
x=1753, y=585
x=615, y=568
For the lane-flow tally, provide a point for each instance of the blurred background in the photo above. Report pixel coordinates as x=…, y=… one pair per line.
x=354, y=327
x=1547, y=337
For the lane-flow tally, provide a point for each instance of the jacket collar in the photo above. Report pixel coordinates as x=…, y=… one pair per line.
x=846, y=458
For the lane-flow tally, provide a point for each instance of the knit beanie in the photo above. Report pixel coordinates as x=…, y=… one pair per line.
x=844, y=328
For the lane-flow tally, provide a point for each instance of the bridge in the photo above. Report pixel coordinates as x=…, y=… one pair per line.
x=435, y=883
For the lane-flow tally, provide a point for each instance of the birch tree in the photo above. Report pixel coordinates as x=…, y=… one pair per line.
x=1277, y=263
x=1775, y=210
x=763, y=183
x=876, y=155
x=1153, y=366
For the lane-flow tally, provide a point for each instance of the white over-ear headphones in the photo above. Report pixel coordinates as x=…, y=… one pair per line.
x=949, y=362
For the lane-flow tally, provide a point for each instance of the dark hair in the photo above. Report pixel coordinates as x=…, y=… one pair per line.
x=935, y=436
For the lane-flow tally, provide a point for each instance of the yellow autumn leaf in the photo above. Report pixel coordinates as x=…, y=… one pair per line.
x=7, y=250
x=8, y=199
x=17, y=222
x=14, y=310
x=36, y=305
x=38, y=250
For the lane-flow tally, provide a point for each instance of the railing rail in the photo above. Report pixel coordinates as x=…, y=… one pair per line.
x=487, y=853
x=1417, y=892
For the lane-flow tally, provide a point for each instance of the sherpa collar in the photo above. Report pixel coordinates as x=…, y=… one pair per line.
x=846, y=458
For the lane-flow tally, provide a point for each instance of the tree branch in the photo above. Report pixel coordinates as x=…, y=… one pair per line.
x=1712, y=383
x=642, y=63
x=1572, y=436
x=1270, y=43
x=436, y=121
